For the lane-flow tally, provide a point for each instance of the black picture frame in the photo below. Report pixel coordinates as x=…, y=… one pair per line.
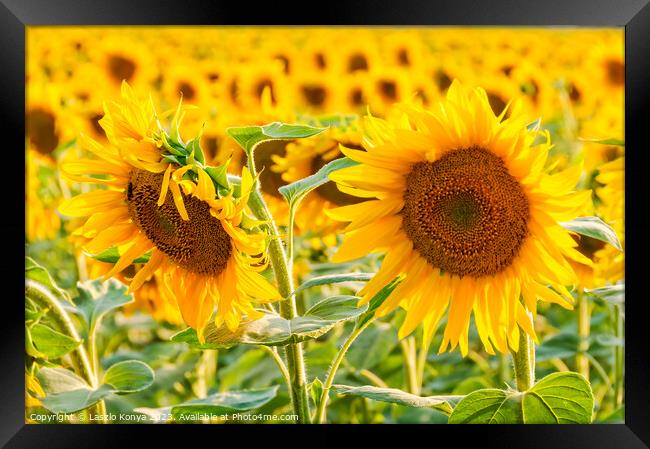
x=634, y=15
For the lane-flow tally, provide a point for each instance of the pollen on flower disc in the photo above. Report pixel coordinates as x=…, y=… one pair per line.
x=199, y=245
x=465, y=213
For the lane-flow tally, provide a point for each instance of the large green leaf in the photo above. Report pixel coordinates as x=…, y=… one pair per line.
x=68, y=393
x=334, y=279
x=57, y=380
x=296, y=191
x=75, y=400
x=129, y=376
x=213, y=406
x=51, y=343
x=39, y=274
x=444, y=404
x=595, y=228
x=559, y=398
x=97, y=298
x=273, y=330
x=250, y=136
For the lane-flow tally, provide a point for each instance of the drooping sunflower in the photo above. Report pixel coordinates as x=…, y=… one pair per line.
x=462, y=207
x=196, y=240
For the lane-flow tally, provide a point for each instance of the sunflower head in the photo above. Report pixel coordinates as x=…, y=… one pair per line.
x=463, y=207
x=205, y=250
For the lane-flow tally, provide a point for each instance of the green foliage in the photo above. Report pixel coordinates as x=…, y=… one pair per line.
x=248, y=137
x=296, y=191
x=273, y=330
x=49, y=343
x=559, y=398
x=112, y=255
x=334, y=279
x=68, y=393
x=39, y=274
x=215, y=405
x=595, y=228
x=97, y=298
x=444, y=404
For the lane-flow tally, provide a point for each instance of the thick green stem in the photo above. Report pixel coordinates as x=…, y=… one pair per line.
x=321, y=415
x=281, y=269
x=524, y=362
x=584, y=324
x=81, y=363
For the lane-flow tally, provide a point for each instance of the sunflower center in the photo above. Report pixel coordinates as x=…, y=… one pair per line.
x=42, y=131
x=187, y=90
x=314, y=95
x=388, y=89
x=199, y=245
x=615, y=72
x=357, y=62
x=121, y=68
x=464, y=213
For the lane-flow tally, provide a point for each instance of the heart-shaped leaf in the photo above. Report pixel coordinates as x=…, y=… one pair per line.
x=559, y=398
x=97, y=298
x=129, y=376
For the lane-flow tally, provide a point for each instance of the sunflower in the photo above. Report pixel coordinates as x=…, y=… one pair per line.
x=195, y=239
x=124, y=59
x=466, y=213
x=47, y=125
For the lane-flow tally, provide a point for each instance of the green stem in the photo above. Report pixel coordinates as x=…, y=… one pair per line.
x=584, y=323
x=80, y=361
x=619, y=359
x=524, y=362
x=321, y=415
x=422, y=362
x=281, y=269
x=408, y=351
x=273, y=352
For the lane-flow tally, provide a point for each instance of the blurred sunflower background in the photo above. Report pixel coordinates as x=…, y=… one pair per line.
x=569, y=82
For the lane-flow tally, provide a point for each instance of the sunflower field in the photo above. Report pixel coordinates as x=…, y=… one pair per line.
x=324, y=225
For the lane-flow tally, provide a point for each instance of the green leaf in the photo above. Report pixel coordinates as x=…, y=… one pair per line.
x=595, y=228
x=296, y=191
x=610, y=141
x=372, y=346
x=273, y=330
x=57, y=380
x=249, y=136
x=334, y=279
x=559, y=398
x=614, y=294
x=129, y=376
x=445, y=404
x=97, y=298
x=68, y=393
x=112, y=255
x=215, y=405
x=51, y=343
x=563, y=345
x=75, y=400
x=39, y=274
x=316, y=390
x=489, y=406
x=377, y=301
